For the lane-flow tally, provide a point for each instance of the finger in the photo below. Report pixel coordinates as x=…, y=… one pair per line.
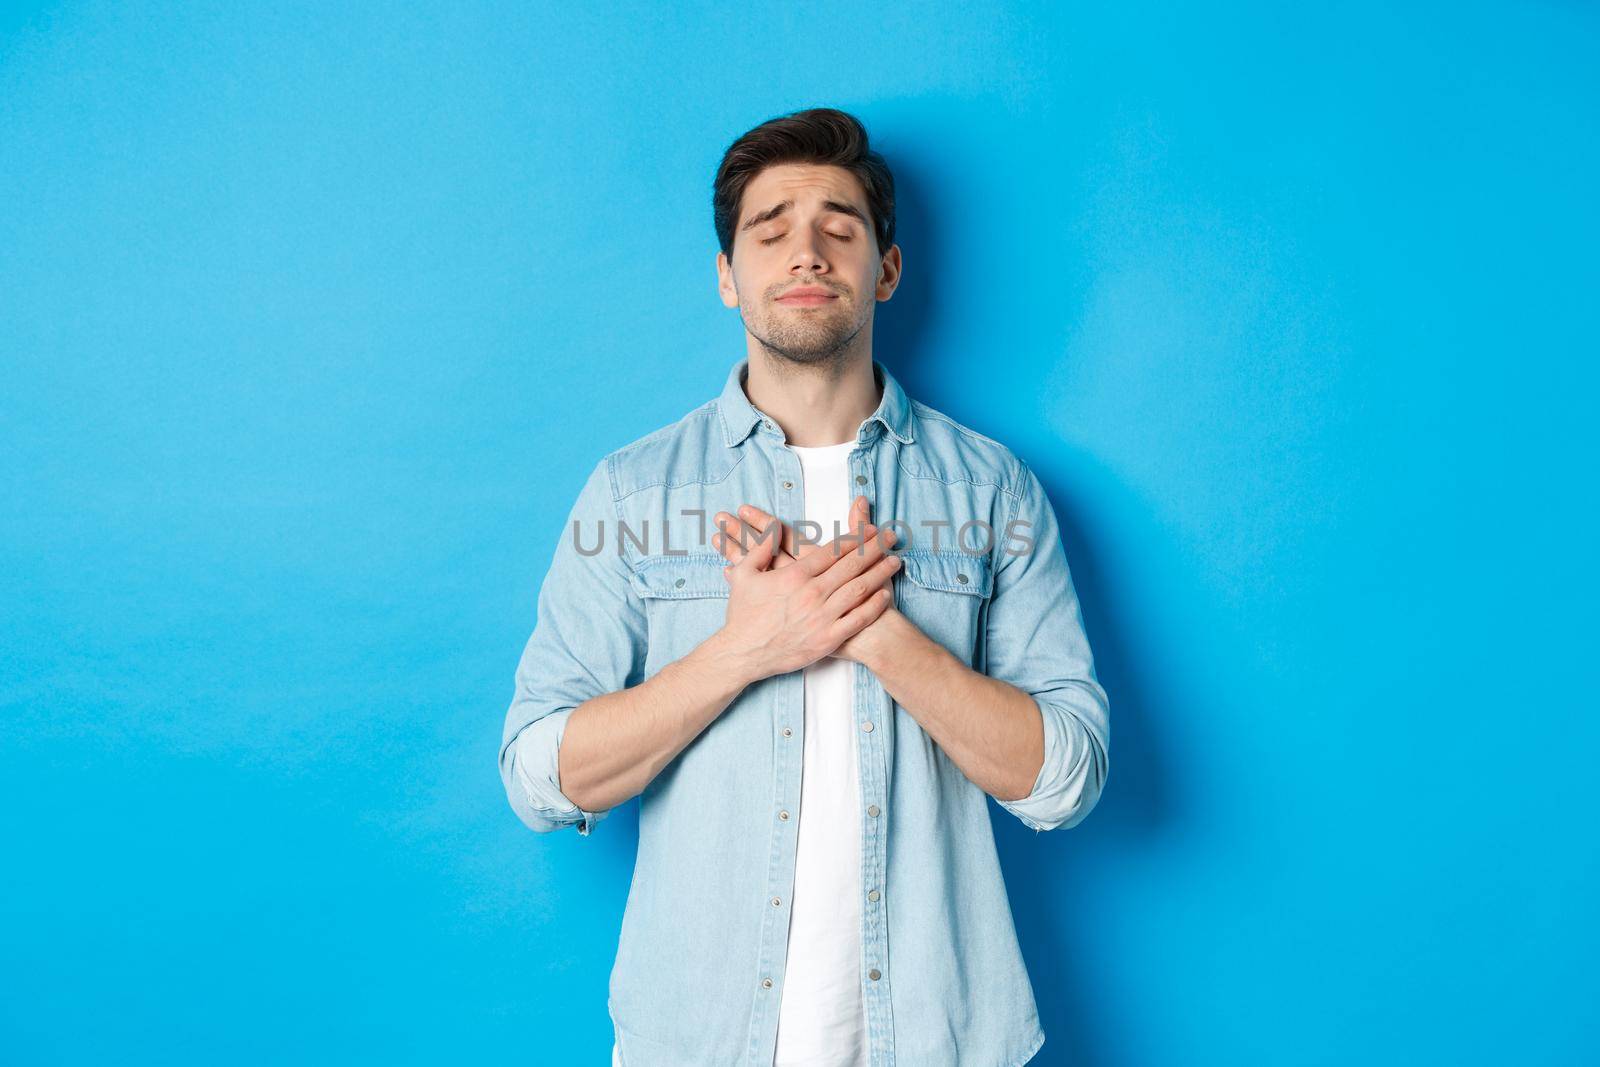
x=726, y=539
x=855, y=526
x=861, y=528
x=739, y=535
x=761, y=522
x=853, y=539
x=860, y=512
x=853, y=562
x=859, y=617
x=886, y=537
x=818, y=558
x=762, y=548
x=732, y=538
x=852, y=592
x=742, y=535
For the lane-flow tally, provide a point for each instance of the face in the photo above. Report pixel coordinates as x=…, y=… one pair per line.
x=820, y=239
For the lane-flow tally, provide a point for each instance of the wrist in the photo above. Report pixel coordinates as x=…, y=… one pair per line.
x=721, y=655
x=879, y=639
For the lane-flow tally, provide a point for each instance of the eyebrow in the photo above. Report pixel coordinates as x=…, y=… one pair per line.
x=835, y=206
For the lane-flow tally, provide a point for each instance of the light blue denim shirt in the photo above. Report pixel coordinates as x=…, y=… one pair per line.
x=700, y=962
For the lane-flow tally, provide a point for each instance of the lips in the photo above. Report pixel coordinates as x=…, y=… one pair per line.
x=807, y=296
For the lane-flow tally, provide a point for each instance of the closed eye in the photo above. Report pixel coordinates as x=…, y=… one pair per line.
x=837, y=236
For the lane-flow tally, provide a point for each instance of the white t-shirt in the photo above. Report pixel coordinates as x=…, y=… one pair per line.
x=822, y=1013
x=821, y=1017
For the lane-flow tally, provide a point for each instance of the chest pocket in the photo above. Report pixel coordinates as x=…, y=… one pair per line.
x=685, y=599
x=681, y=577
x=944, y=592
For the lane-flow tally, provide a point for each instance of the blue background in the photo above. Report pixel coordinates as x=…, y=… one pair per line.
x=313, y=322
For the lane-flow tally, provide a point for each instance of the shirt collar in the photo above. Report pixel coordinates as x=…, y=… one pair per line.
x=740, y=417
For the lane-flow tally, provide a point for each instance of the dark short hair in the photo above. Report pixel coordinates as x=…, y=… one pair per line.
x=821, y=135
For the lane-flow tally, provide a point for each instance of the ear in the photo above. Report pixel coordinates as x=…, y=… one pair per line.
x=888, y=273
x=726, y=288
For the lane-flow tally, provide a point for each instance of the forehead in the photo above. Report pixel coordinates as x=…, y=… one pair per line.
x=805, y=184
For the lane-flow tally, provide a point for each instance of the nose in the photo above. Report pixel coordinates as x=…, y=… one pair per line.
x=807, y=256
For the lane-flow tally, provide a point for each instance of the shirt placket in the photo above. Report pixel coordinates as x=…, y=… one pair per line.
x=874, y=738
x=788, y=751
x=788, y=724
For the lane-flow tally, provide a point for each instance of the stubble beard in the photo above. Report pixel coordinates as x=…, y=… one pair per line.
x=814, y=337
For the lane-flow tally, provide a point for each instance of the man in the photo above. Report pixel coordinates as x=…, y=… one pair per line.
x=811, y=727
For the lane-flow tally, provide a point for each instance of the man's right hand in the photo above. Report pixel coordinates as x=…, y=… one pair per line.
x=781, y=619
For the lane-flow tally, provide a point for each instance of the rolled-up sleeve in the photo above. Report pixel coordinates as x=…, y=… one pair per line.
x=588, y=639
x=1036, y=641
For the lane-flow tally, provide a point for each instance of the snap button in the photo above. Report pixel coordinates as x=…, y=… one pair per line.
x=776, y=902
x=872, y=810
x=873, y=974
x=783, y=815
x=962, y=578
x=766, y=983
x=787, y=732
x=873, y=896
x=679, y=583
x=861, y=479
x=867, y=726
x=788, y=485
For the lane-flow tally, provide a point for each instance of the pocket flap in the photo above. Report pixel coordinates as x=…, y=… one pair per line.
x=948, y=569
x=698, y=574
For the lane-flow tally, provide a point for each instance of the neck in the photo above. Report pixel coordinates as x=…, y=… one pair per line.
x=821, y=405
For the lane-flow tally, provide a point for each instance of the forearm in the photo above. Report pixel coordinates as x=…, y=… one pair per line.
x=615, y=744
x=993, y=731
